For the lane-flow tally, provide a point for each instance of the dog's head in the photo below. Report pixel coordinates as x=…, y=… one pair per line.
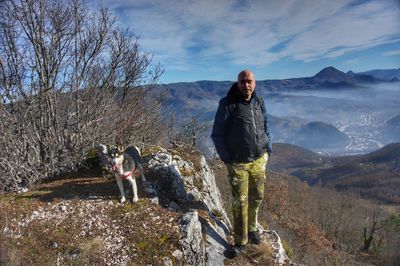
x=116, y=154
x=111, y=157
x=115, y=151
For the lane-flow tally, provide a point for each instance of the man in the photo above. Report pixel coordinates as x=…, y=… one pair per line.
x=241, y=138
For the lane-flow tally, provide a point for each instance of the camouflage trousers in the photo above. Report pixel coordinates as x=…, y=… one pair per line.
x=247, y=182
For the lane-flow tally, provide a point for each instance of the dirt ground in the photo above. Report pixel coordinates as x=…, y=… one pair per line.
x=78, y=220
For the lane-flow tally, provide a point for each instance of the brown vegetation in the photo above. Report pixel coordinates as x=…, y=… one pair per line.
x=373, y=176
x=324, y=227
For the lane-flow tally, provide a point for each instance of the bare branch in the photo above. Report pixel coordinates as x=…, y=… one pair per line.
x=68, y=76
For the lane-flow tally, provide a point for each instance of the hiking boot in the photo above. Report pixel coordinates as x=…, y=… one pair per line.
x=234, y=251
x=254, y=238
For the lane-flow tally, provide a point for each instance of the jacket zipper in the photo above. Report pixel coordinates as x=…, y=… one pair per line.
x=253, y=119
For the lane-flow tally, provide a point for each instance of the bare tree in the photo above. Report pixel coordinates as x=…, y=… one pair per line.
x=68, y=75
x=370, y=232
x=148, y=121
x=188, y=134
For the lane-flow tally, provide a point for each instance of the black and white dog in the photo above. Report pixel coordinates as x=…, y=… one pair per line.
x=125, y=165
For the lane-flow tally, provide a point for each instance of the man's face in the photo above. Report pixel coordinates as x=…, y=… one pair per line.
x=246, y=84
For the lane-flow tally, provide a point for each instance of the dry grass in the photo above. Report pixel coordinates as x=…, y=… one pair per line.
x=78, y=221
x=260, y=254
x=253, y=255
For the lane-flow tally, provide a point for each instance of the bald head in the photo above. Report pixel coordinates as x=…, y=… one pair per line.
x=245, y=73
x=246, y=83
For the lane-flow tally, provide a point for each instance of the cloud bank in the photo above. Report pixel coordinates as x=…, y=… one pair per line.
x=183, y=34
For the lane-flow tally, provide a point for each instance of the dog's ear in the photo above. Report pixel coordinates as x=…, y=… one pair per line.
x=120, y=149
x=102, y=148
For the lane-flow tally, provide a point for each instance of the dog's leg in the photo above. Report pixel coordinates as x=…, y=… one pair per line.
x=141, y=172
x=134, y=188
x=121, y=189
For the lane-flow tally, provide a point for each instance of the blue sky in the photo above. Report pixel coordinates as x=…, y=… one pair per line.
x=277, y=39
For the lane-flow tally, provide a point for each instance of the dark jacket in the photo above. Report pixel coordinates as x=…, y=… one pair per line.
x=240, y=132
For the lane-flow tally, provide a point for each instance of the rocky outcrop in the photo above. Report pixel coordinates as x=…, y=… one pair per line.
x=278, y=253
x=192, y=241
x=205, y=225
x=204, y=236
x=188, y=184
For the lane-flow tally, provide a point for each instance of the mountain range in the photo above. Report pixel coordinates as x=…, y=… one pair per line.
x=384, y=74
x=331, y=112
x=328, y=77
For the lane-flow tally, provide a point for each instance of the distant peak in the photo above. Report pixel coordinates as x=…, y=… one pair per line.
x=331, y=74
x=329, y=71
x=330, y=67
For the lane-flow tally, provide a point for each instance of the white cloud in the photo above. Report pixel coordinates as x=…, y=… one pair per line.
x=391, y=53
x=186, y=33
x=353, y=61
x=348, y=30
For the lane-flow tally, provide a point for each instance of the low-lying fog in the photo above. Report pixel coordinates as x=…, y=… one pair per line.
x=361, y=113
x=354, y=120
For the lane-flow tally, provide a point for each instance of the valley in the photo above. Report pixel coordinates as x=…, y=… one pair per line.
x=374, y=176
